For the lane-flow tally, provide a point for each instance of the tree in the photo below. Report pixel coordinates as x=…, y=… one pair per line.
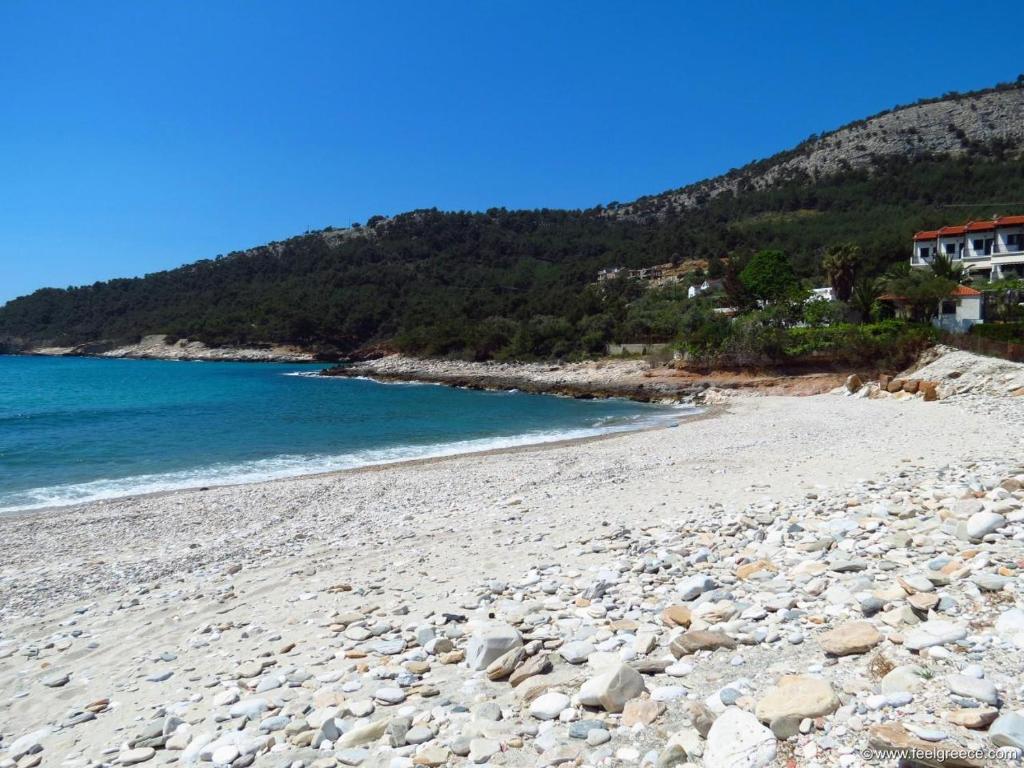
x=840, y=265
x=922, y=291
x=864, y=295
x=943, y=266
x=769, y=276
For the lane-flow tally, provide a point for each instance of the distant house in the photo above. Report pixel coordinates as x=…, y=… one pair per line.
x=992, y=248
x=708, y=285
x=609, y=273
x=822, y=294
x=963, y=308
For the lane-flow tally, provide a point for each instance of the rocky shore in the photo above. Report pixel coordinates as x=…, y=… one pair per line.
x=797, y=582
x=158, y=347
x=633, y=379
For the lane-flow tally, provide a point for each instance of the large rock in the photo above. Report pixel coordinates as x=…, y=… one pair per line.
x=1008, y=731
x=737, y=740
x=490, y=643
x=975, y=688
x=549, y=706
x=699, y=640
x=981, y=524
x=612, y=689
x=934, y=632
x=797, y=696
x=850, y=638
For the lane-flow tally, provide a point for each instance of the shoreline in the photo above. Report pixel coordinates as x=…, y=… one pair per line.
x=700, y=413
x=603, y=378
x=189, y=610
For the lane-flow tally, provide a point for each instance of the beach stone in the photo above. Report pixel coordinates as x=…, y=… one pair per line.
x=389, y=695
x=549, y=706
x=797, y=696
x=676, y=616
x=598, y=736
x=138, y=755
x=363, y=734
x=533, y=666
x=738, y=740
x=250, y=708
x=693, y=587
x=351, y=756
x=576, y=652
x=641, y=712
x=504, y=665
x=973, y=688
x=908, y=677
x=224, y=755
x=580, y=728
x=612, y=689
x=418, y=735
x=1008, y=731
x=990, y=582
x=934, y=632
x=975, y=719
x=432, y=756
x=489, y=643
x=853, y=637
x=28, y=744
x=57, y=680
x=980, y=524
x=695, y=640
x=481, y=750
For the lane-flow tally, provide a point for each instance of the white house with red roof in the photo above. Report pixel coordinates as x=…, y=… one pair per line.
x=991, y=248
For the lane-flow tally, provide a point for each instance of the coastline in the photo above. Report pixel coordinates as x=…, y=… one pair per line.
x=604, y=378
x=156, y=347
x=174, y=608
x=703, y=412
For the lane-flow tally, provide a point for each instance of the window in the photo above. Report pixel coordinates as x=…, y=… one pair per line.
x=924, y=252
x=989, y=242
x=978, y=245
x=1015, y=242
x=950, y=249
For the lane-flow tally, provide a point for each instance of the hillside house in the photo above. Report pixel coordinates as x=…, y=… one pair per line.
x=963, y=308
x=992, y=249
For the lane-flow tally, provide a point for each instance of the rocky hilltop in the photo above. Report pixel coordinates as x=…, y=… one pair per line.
x=950, y=125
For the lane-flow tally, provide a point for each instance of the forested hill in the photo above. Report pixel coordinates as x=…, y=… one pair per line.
x=521, y=283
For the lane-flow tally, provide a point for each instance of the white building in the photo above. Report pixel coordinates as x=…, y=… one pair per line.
x=991, y=249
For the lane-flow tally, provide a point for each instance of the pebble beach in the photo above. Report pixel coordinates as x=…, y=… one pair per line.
x=790, y=581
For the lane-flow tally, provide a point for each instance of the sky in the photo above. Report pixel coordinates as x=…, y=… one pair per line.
x=138, y=136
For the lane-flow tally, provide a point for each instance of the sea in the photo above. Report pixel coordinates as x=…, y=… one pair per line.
x=80, y=429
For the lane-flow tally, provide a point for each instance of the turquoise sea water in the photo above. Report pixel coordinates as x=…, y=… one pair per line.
x=79, y=429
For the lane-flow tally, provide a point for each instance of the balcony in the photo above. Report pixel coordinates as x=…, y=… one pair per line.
x=1013, y=257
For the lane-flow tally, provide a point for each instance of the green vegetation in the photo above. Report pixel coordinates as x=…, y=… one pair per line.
x=520, y=284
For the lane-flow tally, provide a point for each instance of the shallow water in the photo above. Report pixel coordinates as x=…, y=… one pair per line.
x=80, y=429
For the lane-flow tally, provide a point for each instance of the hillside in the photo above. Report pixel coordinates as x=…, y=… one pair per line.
x=952, y=125
x=521, y=283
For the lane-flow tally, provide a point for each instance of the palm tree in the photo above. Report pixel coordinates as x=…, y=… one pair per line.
x=943, y=266
x=864, y=295
x=840, y=266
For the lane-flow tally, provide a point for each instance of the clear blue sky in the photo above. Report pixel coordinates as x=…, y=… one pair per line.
x=137, y=136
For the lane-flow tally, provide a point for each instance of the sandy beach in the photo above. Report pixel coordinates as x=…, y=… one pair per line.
x=304, y=596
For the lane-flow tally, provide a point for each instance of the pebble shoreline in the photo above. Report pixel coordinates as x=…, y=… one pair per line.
x=794, y=582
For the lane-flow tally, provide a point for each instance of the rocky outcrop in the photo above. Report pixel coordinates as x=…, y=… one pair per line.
x=159, y=347
x=950, y=125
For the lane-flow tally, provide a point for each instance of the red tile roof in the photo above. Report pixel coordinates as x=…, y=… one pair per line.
x=987, y=225
x=964, y=290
